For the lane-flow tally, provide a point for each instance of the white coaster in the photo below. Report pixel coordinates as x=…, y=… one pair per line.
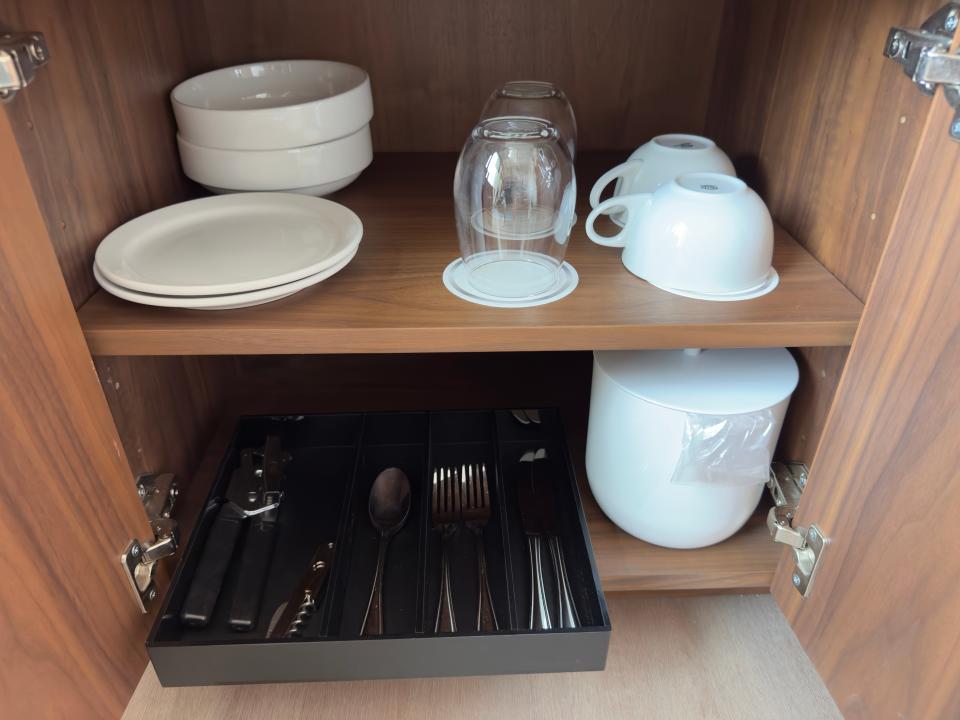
x=456, y=278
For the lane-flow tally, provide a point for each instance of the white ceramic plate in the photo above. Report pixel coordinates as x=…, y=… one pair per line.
x=221, y=302
x=229, y=244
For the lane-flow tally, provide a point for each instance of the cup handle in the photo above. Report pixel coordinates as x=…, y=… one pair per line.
x=630, y=203
x=609, y=176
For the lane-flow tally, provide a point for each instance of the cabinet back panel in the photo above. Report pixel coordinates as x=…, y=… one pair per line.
x=632, y=68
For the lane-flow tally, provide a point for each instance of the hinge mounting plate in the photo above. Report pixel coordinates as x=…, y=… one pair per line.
x=926, y=59
x=158, y=493
x=786, y=484
x=20, y=56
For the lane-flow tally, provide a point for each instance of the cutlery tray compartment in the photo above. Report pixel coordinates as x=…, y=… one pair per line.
x=334, y=461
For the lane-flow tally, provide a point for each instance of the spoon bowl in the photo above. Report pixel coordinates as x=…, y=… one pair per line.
x=389, y=503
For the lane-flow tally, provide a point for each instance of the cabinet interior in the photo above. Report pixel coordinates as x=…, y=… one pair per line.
x=796, y=91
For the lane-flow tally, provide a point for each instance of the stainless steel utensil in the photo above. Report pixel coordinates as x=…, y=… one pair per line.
x=538, y=516
x=293, y=614
x=476, y=514
x=526, y=417
x=445, y=515
x=388, y=508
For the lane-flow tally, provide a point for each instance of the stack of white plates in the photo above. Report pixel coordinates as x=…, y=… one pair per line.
x=225, y=252
x=299, y=126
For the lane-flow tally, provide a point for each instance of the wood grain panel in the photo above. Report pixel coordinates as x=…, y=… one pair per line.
x=748, y=58
x=821, y=124
x=165, y=407
x=632, y=68
x=70, y=634
x=841, y=131
x=391, y=297
x=96, y=130
x=882, y=625
x=97, y=135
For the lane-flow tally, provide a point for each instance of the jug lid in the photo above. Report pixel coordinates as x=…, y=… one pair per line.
x=713, y=382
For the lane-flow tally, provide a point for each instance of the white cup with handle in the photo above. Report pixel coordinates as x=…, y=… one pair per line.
x=701, y=235
x=661, y=160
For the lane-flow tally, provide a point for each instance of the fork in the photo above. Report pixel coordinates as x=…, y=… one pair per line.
x=445, y=515
x=476, y=515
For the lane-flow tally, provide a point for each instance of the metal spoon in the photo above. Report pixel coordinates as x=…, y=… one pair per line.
x=388, y=508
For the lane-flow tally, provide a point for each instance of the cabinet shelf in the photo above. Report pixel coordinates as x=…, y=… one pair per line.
x=391, y=299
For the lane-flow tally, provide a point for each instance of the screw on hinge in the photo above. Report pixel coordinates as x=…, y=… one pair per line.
x=955, y=129
x=895, y=46
x=951, y=22
x=796, y=580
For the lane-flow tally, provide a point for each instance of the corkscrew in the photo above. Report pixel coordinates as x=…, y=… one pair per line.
x=292, y=615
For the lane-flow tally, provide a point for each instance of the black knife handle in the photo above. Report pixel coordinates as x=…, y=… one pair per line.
x=208, y=578
x=254, y=562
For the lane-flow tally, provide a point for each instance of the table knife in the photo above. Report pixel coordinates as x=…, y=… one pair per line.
x=538, y=517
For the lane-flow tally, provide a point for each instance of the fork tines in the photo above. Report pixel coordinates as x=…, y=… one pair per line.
x=476, y=504
x=446, y=496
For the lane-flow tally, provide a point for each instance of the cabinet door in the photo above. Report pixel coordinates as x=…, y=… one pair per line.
x=882, y=622
x=70, y=636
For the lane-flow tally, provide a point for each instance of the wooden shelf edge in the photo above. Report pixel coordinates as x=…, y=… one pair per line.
x=340, y=341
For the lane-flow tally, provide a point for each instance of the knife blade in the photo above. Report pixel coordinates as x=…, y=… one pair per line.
x=539, y=520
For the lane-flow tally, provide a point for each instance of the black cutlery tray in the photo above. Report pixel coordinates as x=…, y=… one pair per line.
x=334, y=460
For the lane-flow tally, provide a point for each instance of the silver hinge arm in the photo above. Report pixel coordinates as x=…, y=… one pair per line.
x=786, y=484
x=21, y=54
x=158, y=493
x=925, y=56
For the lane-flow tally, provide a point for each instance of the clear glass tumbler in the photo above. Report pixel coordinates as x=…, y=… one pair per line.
x=515, y=194
x=538, y=99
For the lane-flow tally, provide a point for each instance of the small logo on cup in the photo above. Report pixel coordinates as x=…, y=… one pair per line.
x=709, y=188
x=685, y=145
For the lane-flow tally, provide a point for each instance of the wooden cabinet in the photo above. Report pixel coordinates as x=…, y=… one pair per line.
x=854, y=163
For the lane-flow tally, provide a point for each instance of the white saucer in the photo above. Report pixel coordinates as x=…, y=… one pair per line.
x=773, y=279
x=220, y=302
x=456, y=278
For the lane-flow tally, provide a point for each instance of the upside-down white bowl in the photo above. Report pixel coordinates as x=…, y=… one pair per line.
x=273, y=105
x=315, y=169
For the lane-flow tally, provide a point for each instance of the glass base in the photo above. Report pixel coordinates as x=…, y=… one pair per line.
x=513, y=274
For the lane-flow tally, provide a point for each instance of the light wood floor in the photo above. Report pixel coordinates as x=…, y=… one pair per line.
x=714, y=657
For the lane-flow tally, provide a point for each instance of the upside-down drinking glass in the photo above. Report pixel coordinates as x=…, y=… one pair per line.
x=538, y=99
x=514, y=193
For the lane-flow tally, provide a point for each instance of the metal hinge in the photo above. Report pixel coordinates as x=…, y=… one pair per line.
x=786, y=484
x=926, y=58
x=20, y=56
x=158, y=492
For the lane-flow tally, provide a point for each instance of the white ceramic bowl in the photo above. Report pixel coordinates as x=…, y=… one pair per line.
x=659, y=161
x=701, y=235
x=314, y=170
x=273, y=105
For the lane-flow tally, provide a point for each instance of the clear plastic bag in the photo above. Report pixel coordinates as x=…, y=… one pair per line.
x=727, y=450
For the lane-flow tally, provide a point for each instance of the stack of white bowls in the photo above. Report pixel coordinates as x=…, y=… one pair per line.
x=300, y=126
